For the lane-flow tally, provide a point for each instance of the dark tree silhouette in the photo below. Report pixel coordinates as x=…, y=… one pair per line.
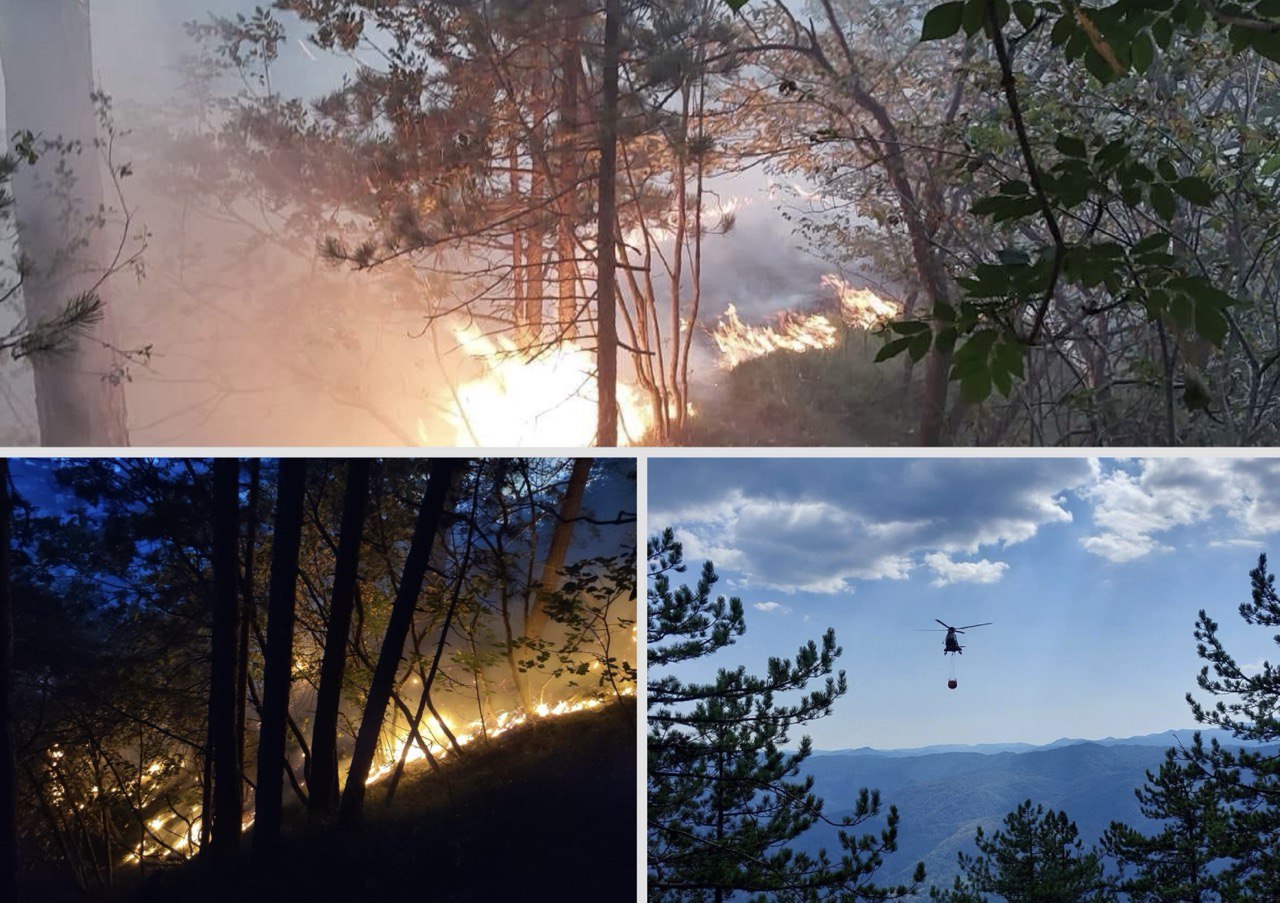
x=322, y=782
x=380, y=686
x=8, y=755
x=725, y=801
x=607, y=237
x=224, y=823
x=278, y=656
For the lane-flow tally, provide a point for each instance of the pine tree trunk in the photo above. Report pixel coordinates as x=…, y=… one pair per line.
x=278, y=656
x=8, y=756
x=248, y=613
x=48, y=74
x=606, y=281
x=384, y=672
x=536, y=619
x=224, y=823
x=323, y=780
x=567, y=139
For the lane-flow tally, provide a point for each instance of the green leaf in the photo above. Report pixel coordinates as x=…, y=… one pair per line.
x=918, y=345
x=1025, y=12
x=973, y=17
x=942, y=21
x=1196, y=190
x=909, y=327
x=1071, y=146
x=1003, y=380
x=1062, y=31
x=1165, y=204
x=1144, y=52
x=1211, y=323
x=976, y=386
x=945, y=341
x=1157, y=241
x=892, y=349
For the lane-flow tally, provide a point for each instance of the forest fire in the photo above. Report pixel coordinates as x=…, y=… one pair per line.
x=469, y=570
x=400, y=745
x=860, y=308
x=533, y=398
x=176, y=835
x=794, y=331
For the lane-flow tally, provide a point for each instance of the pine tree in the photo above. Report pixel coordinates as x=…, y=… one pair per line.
x=725, y=796
x=1248, y=779
x=1038, y=857
x=1175, y=863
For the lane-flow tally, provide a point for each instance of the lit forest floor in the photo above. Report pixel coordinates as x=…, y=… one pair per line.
x=828, y=397
x=546, y=809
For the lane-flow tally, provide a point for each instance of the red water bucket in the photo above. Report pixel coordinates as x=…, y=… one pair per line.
x=952, y=684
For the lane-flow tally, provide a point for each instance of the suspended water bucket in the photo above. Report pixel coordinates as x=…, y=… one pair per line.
x=952, y=684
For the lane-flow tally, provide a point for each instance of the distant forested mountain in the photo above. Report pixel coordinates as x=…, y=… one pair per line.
x=944, y=793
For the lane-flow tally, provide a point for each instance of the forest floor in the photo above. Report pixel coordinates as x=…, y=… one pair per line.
x=546, y=810
x=830, y=397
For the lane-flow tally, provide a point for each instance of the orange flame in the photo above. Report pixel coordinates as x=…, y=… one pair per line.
x=739, y=342
x=861, y=308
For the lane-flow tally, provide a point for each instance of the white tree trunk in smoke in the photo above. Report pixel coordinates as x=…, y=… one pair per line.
x=536, y=617
x=48, y=69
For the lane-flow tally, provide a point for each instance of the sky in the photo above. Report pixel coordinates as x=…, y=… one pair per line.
x=1092, y=572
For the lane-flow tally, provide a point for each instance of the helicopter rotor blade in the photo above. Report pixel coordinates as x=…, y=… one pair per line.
x=971, y=626
x=943, y=623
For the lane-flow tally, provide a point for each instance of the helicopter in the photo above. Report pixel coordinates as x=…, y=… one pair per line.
x=950, y=643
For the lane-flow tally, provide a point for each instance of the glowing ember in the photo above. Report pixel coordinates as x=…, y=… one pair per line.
x=543, y=398
x=861, y=307
x=739, y=342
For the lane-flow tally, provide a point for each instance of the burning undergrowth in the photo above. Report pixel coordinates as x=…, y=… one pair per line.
x=802, y=330
x=514, y=814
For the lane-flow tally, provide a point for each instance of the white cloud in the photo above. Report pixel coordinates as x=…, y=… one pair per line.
x=950, y=571
x=1237, y=544
x=772, y=607
x=1132, y=509
x=821, y=525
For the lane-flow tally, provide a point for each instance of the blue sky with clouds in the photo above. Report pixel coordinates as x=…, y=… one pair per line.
x=1091, y=570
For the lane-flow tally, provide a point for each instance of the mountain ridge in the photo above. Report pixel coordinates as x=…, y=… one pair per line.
x=944, y=793
x=1163, y=739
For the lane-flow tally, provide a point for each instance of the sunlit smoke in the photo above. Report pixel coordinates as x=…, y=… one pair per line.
x=541, y=398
